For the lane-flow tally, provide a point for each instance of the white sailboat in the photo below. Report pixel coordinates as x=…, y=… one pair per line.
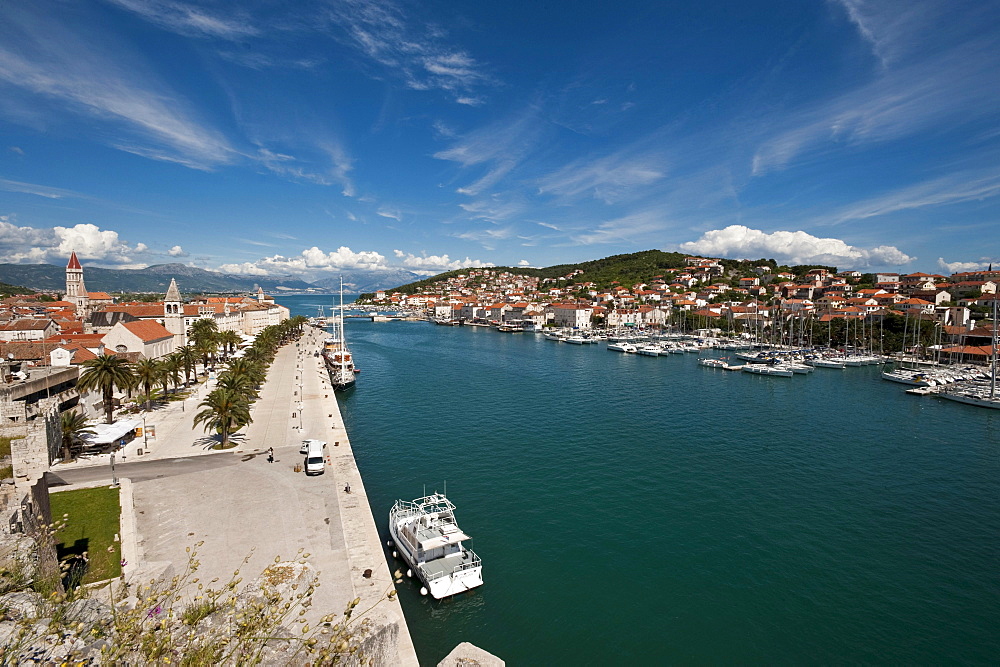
x=338, y=358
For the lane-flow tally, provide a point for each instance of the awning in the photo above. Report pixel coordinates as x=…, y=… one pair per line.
x=106, y=434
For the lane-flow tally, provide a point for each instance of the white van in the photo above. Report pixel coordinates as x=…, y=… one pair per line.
x=315, y=457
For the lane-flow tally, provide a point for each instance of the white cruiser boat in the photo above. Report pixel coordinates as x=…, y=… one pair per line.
x=428, y=539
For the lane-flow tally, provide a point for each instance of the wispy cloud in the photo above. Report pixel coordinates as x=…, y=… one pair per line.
x=420, y=56
x=951, y=189
x=39, y=190
x=390, y=213
x=495, y=208
x=186, y=19
x=938, y=63
x=502, y=146
x=608, y=179
x=42, y=58
x=945, y=91
x=631, y=228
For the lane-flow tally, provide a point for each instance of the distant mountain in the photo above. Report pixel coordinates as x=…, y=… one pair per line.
x=151, y=279
x=357, y=281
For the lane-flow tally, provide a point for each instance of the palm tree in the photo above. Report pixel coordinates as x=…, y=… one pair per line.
x=229, y=341
x=205, y=348
x=224, y=411
x=204, y=334
x=188, y=357
x=252, y=369
x=106, y=373
x=298, y=322
x=147, y=372
x=238, y=384
x=74, y=427
x=163, y=374
x=171, y=366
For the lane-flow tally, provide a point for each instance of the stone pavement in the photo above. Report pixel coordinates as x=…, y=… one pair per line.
x=261, y=510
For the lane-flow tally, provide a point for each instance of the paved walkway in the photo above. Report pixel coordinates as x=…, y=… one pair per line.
x=263, y=510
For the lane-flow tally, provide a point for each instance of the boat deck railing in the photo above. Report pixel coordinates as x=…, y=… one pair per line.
x=434, y=569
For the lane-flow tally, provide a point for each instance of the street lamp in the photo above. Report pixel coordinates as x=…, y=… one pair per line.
x=145, y=436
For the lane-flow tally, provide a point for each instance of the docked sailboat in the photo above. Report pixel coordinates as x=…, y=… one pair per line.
x=427, y=537
x=339, y=362
x=975, y=392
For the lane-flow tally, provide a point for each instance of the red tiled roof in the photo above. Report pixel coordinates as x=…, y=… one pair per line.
x=74, y=263
x=148, y=331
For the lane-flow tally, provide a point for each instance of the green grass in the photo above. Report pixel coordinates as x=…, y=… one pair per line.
x=93, y=521
x=5, y=445
x=6, y=472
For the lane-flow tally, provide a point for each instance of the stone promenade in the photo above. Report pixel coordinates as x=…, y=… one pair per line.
x=263, y=510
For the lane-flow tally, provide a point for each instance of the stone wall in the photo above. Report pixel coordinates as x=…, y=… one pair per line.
x=32, y=455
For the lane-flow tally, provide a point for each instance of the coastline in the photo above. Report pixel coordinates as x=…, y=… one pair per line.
x=364, y=546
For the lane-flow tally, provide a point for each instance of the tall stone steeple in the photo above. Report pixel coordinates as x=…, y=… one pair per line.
x=76, y=291
x=173, y=315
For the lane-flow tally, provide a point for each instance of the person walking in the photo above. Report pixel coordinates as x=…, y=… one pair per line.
x=270, y=454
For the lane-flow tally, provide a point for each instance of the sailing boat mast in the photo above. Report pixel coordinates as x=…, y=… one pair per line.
x=993, y=374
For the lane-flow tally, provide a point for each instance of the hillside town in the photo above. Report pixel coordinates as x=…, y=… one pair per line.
x=705, y=292
x=43, y=343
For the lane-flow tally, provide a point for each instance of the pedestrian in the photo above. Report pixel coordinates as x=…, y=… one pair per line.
x=270, y=454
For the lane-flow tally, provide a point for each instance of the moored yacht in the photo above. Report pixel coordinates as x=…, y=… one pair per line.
x=427, y=537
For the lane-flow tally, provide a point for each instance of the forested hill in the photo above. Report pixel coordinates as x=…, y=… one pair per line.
x=7, y=290
x=626, y=269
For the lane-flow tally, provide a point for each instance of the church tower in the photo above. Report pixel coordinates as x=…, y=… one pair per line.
x=76, y=291
x=173, y=315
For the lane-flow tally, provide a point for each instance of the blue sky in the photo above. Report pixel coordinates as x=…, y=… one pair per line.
x=309, y=137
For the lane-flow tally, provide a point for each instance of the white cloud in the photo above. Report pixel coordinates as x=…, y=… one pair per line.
x=311, y=261
x=31, y=246
x=737, y=241
x=960, y=267
x=524, y=262
x=177, y=251
x=244, y=268
x=432, y=264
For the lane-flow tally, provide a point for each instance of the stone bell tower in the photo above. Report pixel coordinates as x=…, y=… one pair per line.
x=76, y=291
x=173, y=315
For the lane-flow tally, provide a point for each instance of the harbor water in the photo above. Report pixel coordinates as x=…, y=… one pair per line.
x=635, y=509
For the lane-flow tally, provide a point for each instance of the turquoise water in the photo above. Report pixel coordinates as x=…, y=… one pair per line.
x=635, y=509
